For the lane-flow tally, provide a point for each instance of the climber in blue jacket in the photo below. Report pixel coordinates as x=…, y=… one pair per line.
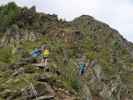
x=35, y=54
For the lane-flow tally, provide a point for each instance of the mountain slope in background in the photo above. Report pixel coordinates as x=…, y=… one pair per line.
x=110, y=76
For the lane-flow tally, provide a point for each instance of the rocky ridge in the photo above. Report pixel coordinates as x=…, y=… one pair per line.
x=110, y=76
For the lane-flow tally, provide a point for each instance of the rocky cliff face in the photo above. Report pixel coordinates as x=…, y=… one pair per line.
x=110, y=58
x=18, y=37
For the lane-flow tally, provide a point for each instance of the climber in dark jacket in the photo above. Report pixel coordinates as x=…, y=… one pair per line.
x=82, y=65
x=81, y=69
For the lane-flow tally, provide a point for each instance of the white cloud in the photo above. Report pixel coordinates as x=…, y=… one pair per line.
x=117, y=13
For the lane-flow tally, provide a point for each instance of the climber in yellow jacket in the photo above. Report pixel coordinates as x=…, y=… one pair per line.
x=45, y=54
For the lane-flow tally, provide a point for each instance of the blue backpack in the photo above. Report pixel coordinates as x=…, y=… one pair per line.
x=35, y=53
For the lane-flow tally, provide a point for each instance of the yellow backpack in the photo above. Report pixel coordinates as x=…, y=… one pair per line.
x=45, y=53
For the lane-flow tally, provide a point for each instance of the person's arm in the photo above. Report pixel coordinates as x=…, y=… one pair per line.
x=93, y=63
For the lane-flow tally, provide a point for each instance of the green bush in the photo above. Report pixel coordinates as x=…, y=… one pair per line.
x=75, y=84
x=116, y=45
x=5, y=55
x=8, y=14
x=90, y=55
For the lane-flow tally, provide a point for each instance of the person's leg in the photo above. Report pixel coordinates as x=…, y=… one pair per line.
x=81, y=71
x=45, y=62
x=34, y=60
x=42, y=61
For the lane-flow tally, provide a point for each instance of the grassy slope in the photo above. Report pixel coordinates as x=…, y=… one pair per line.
x=97, y=42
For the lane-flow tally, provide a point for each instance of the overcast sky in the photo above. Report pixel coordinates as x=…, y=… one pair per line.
x=117, y=13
